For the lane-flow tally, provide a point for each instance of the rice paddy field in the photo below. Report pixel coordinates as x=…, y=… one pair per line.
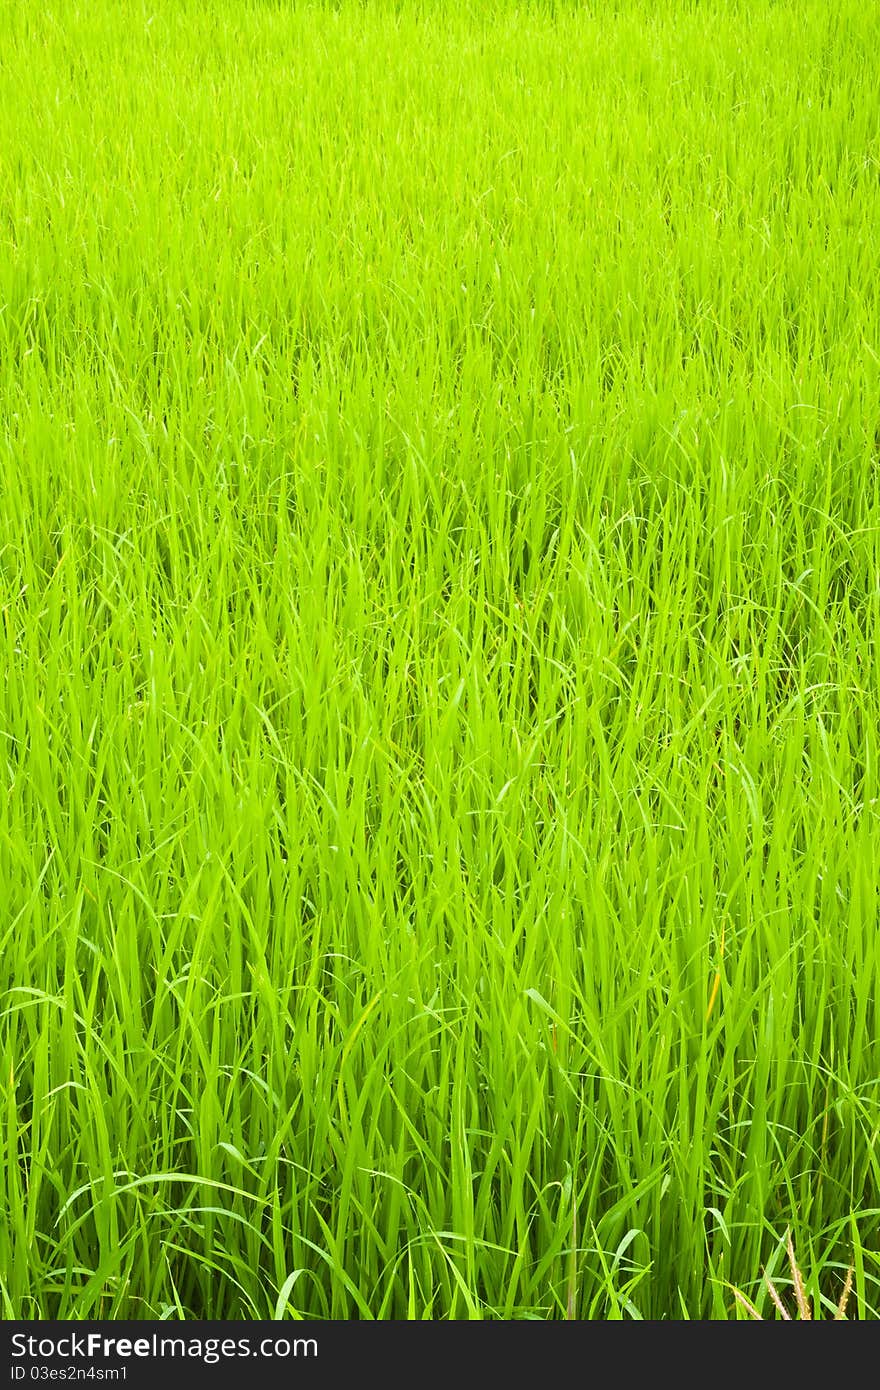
x=439, y=620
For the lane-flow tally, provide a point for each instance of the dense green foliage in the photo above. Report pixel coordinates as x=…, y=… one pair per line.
x=439, y=618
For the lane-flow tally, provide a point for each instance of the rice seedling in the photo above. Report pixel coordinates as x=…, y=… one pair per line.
x=439, y=539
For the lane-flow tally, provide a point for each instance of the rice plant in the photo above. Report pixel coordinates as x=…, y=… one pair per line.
x=439, y=607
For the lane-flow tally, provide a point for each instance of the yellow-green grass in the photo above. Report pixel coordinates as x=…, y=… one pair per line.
x=439, y=609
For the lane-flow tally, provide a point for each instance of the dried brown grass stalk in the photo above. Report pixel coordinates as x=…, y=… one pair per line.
x=804, y=1308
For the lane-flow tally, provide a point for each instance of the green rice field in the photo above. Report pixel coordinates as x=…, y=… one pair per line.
x=439, y=639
